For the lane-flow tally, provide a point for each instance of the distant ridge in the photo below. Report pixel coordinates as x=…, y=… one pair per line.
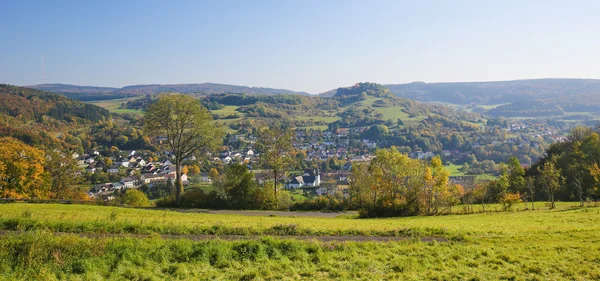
x=496, y=92
x=88, y=93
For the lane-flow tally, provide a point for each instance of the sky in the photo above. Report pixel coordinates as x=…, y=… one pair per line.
x=304, y=45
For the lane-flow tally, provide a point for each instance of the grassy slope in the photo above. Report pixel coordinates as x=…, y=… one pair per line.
x=496, y=224
x=113, y=106
x=533, y=245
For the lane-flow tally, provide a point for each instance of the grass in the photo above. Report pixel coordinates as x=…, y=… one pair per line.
x=529, y=245
x=92, y=219
x=113, y=106
x=454, y=170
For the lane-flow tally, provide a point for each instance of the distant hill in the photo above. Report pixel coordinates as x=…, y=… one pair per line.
x=41, y=118
x=102, y=93
x=499, y=92
x=29, y=105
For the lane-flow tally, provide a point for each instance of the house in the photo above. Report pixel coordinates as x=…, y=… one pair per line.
x=310, y=178
x=113, y=169
x=102, y=189
x=100, y=164
x=250, y=152
x=184, y=178
x=89, y=160
x=205, y=177
x=130, y=182
x=90, y=169
x=122, y=162
x=152, y=178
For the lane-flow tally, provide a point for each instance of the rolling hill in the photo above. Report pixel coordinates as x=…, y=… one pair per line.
x=38, y=117
x=498, y=92
x=87, y=93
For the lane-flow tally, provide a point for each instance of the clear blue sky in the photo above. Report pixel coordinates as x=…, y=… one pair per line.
x=302, y=45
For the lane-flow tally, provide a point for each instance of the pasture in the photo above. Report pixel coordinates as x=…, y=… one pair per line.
x=559, y=244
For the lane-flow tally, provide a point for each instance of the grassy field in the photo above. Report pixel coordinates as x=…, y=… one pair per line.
x=561, y=244
x=113, y=106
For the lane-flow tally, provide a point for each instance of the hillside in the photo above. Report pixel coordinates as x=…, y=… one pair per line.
x=103, y=93
x=36, y=117
x=498, y=92
x=31, y=105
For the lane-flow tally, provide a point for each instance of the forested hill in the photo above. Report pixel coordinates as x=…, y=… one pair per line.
x=499, y=92
x=101, y=93
x=29, y=105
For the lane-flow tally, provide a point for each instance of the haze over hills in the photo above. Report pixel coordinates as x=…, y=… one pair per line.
x=100, y=93
x=496, y=92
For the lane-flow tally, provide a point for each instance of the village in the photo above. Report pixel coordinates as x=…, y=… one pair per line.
x=134, y=169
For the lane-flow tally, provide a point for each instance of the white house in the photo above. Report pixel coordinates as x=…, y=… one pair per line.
x=129, y=182
x=113, y=169
x=310, y=178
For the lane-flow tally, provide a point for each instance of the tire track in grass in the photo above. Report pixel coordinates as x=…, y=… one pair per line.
x=200, y=237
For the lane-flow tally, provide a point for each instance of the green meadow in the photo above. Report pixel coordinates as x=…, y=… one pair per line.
x=560, y=244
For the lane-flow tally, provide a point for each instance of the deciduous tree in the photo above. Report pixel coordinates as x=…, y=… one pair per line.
x=188, y=127
x=275, y=147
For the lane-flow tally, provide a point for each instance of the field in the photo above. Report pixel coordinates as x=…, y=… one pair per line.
x=562, y=244
x=114, y=106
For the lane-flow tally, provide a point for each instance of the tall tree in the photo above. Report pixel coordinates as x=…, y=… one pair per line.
x=550, y=179
x=530, y=186
x=516, y=175
x=188, y=127
x=275, y=147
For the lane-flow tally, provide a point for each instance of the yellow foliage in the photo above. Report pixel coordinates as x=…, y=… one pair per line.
x=22, y=170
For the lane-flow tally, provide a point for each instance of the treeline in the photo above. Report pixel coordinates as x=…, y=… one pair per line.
x=29, y=172
x=395, y=185
x=527, y=109
x=576, y=163
x=236, y=189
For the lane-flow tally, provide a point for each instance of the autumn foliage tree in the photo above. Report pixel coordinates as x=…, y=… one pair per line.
x=395, y=185
x=22, y=173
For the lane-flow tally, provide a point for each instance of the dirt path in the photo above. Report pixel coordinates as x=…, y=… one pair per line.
x=200, y=237
x=263, y=213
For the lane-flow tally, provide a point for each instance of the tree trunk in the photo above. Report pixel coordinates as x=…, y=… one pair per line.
x=552, y=199
x=482, y=204
x=532, y=208
x=178, y=185
x=275, y=187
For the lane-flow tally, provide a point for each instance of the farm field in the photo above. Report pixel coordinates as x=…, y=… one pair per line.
x=560, y=244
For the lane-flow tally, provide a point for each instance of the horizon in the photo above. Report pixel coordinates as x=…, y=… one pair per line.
x=304, y=46
x=346, y=86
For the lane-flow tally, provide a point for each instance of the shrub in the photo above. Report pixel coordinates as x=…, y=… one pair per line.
x=135, y=198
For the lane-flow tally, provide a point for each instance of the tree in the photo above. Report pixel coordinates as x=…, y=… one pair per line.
x=550, y=179
x=187, y=126
x=480, y=192
x=22, y=173
x=213, y=174
x=516, y=175
x=185, y=170
x=195, y=170
x=63, y=170
x=135, y=198
x=239, y=184
x=275, y=146
x=530, y=185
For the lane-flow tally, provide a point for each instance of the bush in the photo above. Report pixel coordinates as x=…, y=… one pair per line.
x=135, y=198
